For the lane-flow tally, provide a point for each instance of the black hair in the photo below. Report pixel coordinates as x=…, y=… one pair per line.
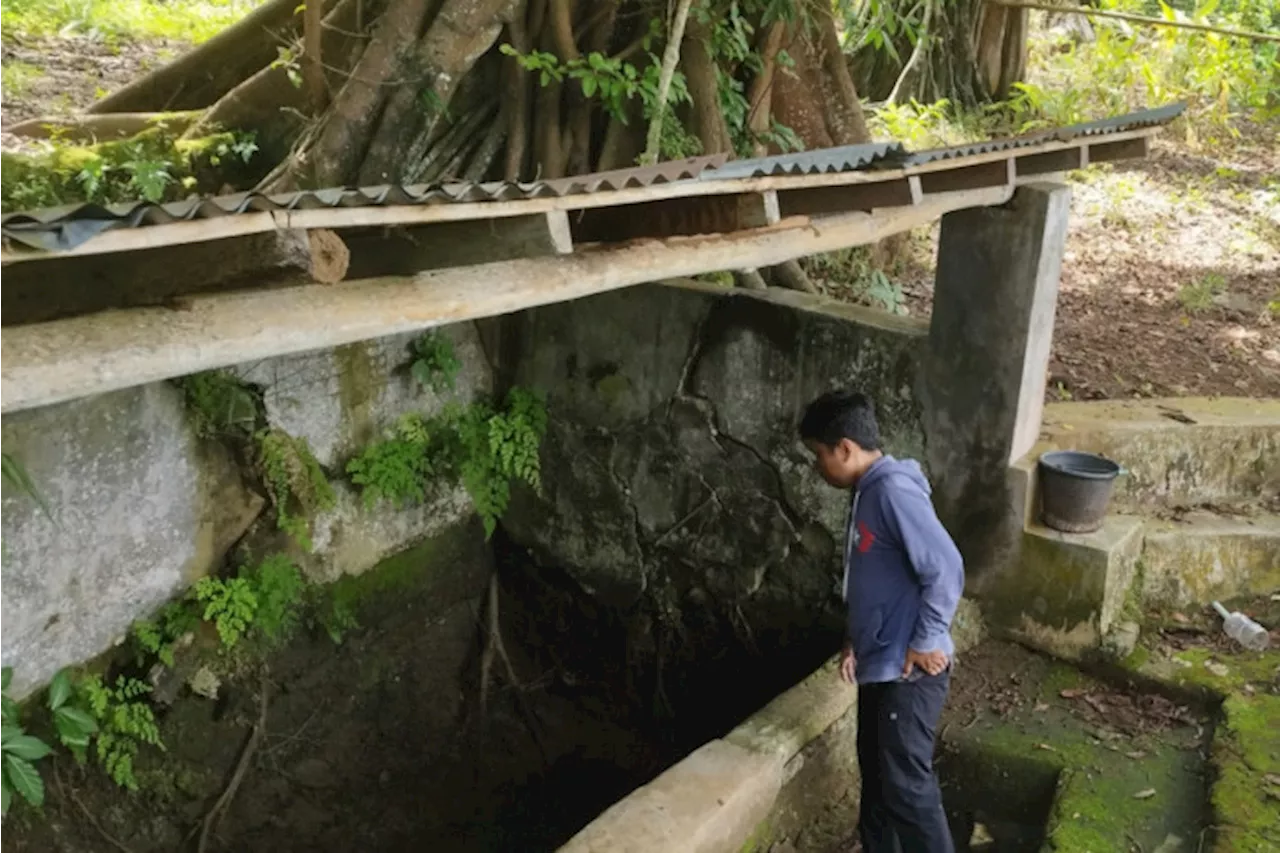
x=838, y=415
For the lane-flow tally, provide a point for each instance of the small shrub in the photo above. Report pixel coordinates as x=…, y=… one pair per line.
x=277, y=586
x=435, y=364
x=18, y=753
x=1198, y=296
x=219, y=404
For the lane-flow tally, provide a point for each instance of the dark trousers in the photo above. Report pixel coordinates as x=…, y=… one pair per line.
x=901, y=802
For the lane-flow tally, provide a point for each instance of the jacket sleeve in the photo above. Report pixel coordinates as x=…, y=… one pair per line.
x=937, y=563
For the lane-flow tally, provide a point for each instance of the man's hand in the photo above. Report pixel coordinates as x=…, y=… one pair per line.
x=932, y=662
x=847, y=663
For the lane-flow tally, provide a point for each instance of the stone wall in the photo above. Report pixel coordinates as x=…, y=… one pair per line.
x=140, y=508
x=673, y=476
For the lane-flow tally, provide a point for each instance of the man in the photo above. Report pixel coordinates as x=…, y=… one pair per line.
x=903, y=577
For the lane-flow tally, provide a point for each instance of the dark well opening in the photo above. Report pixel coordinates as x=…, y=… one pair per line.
x=384, y=742
x=1010, y=795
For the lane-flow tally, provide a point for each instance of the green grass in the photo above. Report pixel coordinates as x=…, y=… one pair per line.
x=179, y=20
x=1198, y=296
x=16, y=78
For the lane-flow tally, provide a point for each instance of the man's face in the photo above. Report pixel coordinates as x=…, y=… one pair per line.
x=838, y=465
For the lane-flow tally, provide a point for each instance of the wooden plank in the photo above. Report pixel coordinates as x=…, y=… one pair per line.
x=673, y=217
x=1125, y=149
x=67, y=286
x=356, y=217
x=404, y=251
x=995, y=173
x=48, y=363
x=1051, y=162
x=806, y=202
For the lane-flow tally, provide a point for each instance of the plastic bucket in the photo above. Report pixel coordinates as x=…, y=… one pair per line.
x=1075, y=489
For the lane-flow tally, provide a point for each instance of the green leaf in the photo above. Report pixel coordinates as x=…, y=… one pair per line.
x=72, y=720
x=6, y=795
x=9, y=709
x=59, y=690
x=588, y=86
x=25, y=780
x=6, y=676
x=26, y=746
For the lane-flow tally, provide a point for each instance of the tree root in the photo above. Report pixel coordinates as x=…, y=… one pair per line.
x=88, y=815
x=495, y=647
x=215, y=815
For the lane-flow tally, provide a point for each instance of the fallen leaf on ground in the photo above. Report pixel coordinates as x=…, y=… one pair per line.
x=1145, y=794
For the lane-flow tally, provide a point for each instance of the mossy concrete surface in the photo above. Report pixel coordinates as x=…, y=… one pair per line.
x=1067, y=589
x=1246, y=790
x=1202, y=557
x=1177, y=452
x=1030, y=742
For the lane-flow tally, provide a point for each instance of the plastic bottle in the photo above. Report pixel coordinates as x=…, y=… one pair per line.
x=1243, y=630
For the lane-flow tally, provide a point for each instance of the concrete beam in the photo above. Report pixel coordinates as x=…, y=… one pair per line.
x=47, y=363
x=994, y=303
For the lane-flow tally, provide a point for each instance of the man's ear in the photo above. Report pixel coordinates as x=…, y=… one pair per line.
x=846, y=449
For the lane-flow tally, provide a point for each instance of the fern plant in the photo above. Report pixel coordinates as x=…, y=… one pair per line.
x=297, y=484
x=219, y=404
x=229, y=604
x=15, y=475
x=396, y=469
x=124, y=724
x=276, y=585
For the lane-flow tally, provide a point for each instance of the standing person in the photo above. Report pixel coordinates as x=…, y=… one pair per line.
x=903, y=577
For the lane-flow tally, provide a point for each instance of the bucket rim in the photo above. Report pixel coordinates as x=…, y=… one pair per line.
x=1058, y=462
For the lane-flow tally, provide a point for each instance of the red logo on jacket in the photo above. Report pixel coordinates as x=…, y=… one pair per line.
x=865, y=538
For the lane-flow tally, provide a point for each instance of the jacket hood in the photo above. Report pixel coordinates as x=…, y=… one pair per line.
x=886, y=466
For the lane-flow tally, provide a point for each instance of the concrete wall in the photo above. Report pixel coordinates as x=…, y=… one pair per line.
x=140, y=508
x=672, y=468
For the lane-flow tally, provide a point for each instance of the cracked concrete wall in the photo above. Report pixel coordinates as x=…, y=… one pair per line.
x=673, y=476
x=140, y=508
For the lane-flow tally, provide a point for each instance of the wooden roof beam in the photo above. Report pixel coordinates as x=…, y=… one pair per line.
x=46, y=363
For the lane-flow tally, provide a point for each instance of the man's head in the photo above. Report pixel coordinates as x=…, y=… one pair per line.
x=840, y=429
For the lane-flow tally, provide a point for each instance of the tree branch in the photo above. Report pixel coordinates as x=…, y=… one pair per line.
x=670, y=56
x=1137, y=19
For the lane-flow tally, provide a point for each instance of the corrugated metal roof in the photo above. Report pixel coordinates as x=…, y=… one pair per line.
x=847, y=158
x=1116, y=124
x=64, y=228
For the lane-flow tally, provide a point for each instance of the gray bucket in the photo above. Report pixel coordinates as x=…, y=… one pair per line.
x=1075, y=489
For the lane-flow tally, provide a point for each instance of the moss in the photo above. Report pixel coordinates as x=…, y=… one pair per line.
x=760, y=839
x=612, y=387
x=1061, y=677
x=1197, y=667
x=1137, y=659
x=154, y=165
x=1246, y=758
x=359, y=387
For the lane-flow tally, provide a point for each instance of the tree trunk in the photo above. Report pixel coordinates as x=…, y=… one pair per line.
x=201, y=76
x=461, y=33
x=670, y=57
x=961, y=61
x=845, y=121
x=270, y=104
x=706, y=118
x=760, y=95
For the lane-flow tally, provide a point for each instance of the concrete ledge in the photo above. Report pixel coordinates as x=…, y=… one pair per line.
x=1203, y=556
x=716, y=799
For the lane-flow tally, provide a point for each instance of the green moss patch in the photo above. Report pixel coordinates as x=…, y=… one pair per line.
x=1246, y=790
x=155, y=165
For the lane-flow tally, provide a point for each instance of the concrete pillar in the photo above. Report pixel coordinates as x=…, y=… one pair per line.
x=988, y=354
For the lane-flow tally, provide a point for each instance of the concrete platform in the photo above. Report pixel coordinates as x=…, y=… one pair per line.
x=1067, y=590
x=1184, y=452
x=1205, y=556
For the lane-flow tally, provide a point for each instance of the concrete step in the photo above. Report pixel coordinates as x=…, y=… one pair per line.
x=1069, y=591
x=1198, y=557
x=1178, y=452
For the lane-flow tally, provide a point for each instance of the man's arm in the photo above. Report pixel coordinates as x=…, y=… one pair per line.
x=935, y=559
